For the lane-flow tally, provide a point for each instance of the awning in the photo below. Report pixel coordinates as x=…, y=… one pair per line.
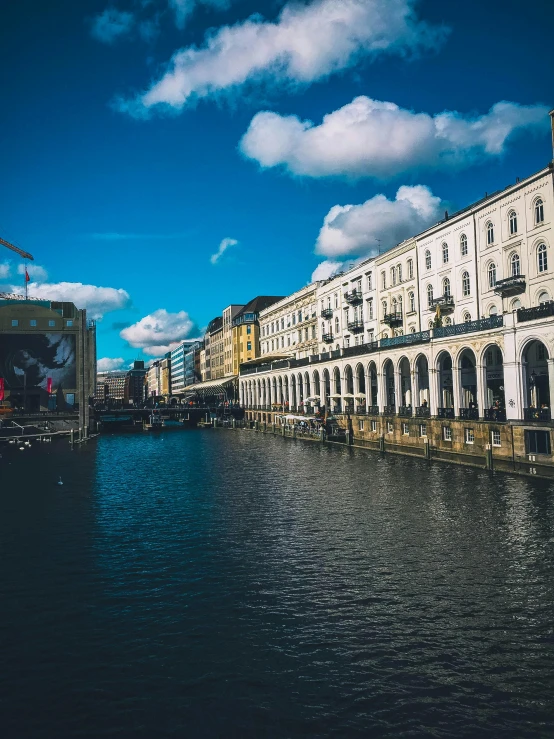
x=267, y=358
x=210, y=387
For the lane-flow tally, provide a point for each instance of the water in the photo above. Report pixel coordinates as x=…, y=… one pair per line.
x=226, y=584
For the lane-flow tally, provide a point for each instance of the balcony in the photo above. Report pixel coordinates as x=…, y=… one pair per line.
x=510, y=286
x=360, y=410
x=389, y=410
x=540, y=311
x=355, y=326
x=326, y=313
x=327, y=338
x=354, y=297
x=445, y=413
x=469, y=414
x=423, y=411
x=495, y=414
x=536, y=414
x=393, y=319
x=354, y=351
x=483, y=324
x=418, y=338
x=445, y=303
x=373, y=410
x=405, y=411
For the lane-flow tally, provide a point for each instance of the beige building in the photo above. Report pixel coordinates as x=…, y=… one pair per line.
x=289, y=326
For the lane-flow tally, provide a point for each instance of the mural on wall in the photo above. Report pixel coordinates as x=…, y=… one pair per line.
x=40, y=360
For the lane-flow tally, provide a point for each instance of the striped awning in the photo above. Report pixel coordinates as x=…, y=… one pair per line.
x=210, y=387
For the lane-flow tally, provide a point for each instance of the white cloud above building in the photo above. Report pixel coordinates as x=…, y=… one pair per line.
x=159, y=332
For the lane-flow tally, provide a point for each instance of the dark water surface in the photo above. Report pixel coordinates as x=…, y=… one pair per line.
x=226, y=584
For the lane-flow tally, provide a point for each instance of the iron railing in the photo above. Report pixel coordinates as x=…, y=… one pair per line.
x=445, y=412
x=355, y=326
x=327, y=338
x=326, y=312
x=539, y=311
x=495, y=414
x=354, y=297
x=418, y=338
x=469, y=414
x=423, y=411
x=536, y=414
x=483, y=324
x=389, y=410
x=405, y=410
x=373, y=410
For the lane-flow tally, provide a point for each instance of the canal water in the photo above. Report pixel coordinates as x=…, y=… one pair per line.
x=227, y=584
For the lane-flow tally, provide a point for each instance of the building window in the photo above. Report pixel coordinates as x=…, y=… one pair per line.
x=347, y=341
x=427, y=259
x=33, y=322
x=493, y=310
x=337, y=326
x=544, y=297
x=423, y=429
x=537, y=442
x=313, y=332
x=399, y=273
x=463, y=245
x=370, y=310
x=467, y=317
x=405, y=429
x=491, y=272
x=369, y=286
x=446, y=287
x=542, y=258
x=51, y=323
x=490, y=233
x=370, y=336
x=411, y=300
x=383, y=281
x=495, y=437
x=515, y=267
x=249, y=329
x=393, y=276
x=444, y=253
x=248, y=346
x=469, y=436
x=384, y=307
x=15, y=322
x=390, y=427
x=447, y=433
x=429, y=296
x=512, y=219
x=410, y=269
x=539, y=211
x=374, y=426
x=465, y=284
x=361, y=425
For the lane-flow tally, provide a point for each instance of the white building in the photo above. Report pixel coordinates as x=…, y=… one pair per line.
x=289, y=327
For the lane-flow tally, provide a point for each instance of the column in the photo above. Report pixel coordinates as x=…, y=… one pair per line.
x=381, y=390
x=480, y=373
x=550, y=363
x=397, y=389
x=416, y=401
x=456, y=389
x=434, y=381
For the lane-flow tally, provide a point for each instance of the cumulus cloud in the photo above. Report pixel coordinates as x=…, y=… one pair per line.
x=97, y=300
x=111, y=25
x=223, y=246
x=371, y=138
x=35, y=271
x=357, y=229
x=306, y=43
x=159, y=332
x=107, y=364
x=5, y=270
x=328, y=268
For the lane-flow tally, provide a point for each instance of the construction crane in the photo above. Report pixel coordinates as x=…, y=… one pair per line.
x=21, y=253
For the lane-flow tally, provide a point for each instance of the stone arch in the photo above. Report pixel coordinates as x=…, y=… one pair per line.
x=535, y=380
x=466, y=362
x=373, y=385
x=389, y=384
x=421, y=381
x=404, y=372
x=445, y=383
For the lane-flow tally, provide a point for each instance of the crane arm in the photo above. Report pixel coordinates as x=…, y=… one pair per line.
x=21, y=253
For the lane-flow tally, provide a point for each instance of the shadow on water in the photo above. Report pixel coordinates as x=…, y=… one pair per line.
x=229, y=584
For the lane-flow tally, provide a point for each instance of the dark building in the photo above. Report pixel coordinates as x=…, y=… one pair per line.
x=134, y=393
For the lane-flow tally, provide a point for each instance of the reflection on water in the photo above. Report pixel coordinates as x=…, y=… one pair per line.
x=220, y=583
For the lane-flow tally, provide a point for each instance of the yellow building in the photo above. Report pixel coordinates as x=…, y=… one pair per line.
x=246, y=330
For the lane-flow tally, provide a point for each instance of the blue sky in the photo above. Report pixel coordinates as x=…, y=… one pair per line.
x=142, y=137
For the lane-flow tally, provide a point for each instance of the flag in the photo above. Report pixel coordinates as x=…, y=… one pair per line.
x=1, y=388
x=27, y=278
x=49, y=385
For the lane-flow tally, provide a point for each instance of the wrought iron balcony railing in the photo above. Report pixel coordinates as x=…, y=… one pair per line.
x=469, y=414
x=495, y=414
x=510, y=286
x=405, y=410
x=326, y=312
x=539, y=311
x=423, y=411
x=536, y=414
x=373, y=410
x=389, y=410
x=355, y=326
x=327, y=338
x=445, y=412
x=445, y=303
x=354, y=297
x=483, y=324
x=393, y=319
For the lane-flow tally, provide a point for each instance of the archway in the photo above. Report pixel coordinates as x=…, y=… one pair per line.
x=360, y=389
x=445, y=386
x=495, y=403
x=422, y=398
x=337, y=391
x=326, y=389
x=373, y=388
x=300, y=386
x=405, y=385
x=348, y=389
x=388, y=379
x=536, y=383
x=293, y=396
x=468, y=385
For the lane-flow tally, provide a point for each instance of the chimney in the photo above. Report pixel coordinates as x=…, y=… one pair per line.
x=552, y=127
x=445, y=215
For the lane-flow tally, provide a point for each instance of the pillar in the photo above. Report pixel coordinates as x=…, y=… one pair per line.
x=456, y=389
x=397, y=389
x=481, y=375
x=550, y=363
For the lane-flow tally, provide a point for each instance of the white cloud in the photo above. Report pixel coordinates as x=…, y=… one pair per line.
x=328, y=268
x=371, y=138
x=356, y=229
x=159, y=332
x=97, y=300
x=106, y=364
x=223, y=246
x=111, y=25
x=35, y=271
x=306, y=43
x=5, y=269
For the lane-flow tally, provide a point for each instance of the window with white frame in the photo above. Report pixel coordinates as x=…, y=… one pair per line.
x=427, y=259
x=347, y=341
x=539, y=211
x=337, y=326
x=410, y=269
x=399, y=273
x=423, y=429
x=370, y=336
x=383, y=281
x=336, y=300
x=515, y=265
x=374, y=426
x=411, y=302
x=384, y=307
x=393, y=275
x=512, y=220
x=390, y=427
x=370, y=309
x=466, y=286
x=469, y=436
x=405, y=429
x=361, y=425
x=491, y=274
x=542, y=259
x=463, y=245
x=495, y=438
x=444, y=252
x=446, y=287
x=544, y=297
x=493, y=310
x=429, y=296
x=447, y=433
x=369, y=282
x=490, y=232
